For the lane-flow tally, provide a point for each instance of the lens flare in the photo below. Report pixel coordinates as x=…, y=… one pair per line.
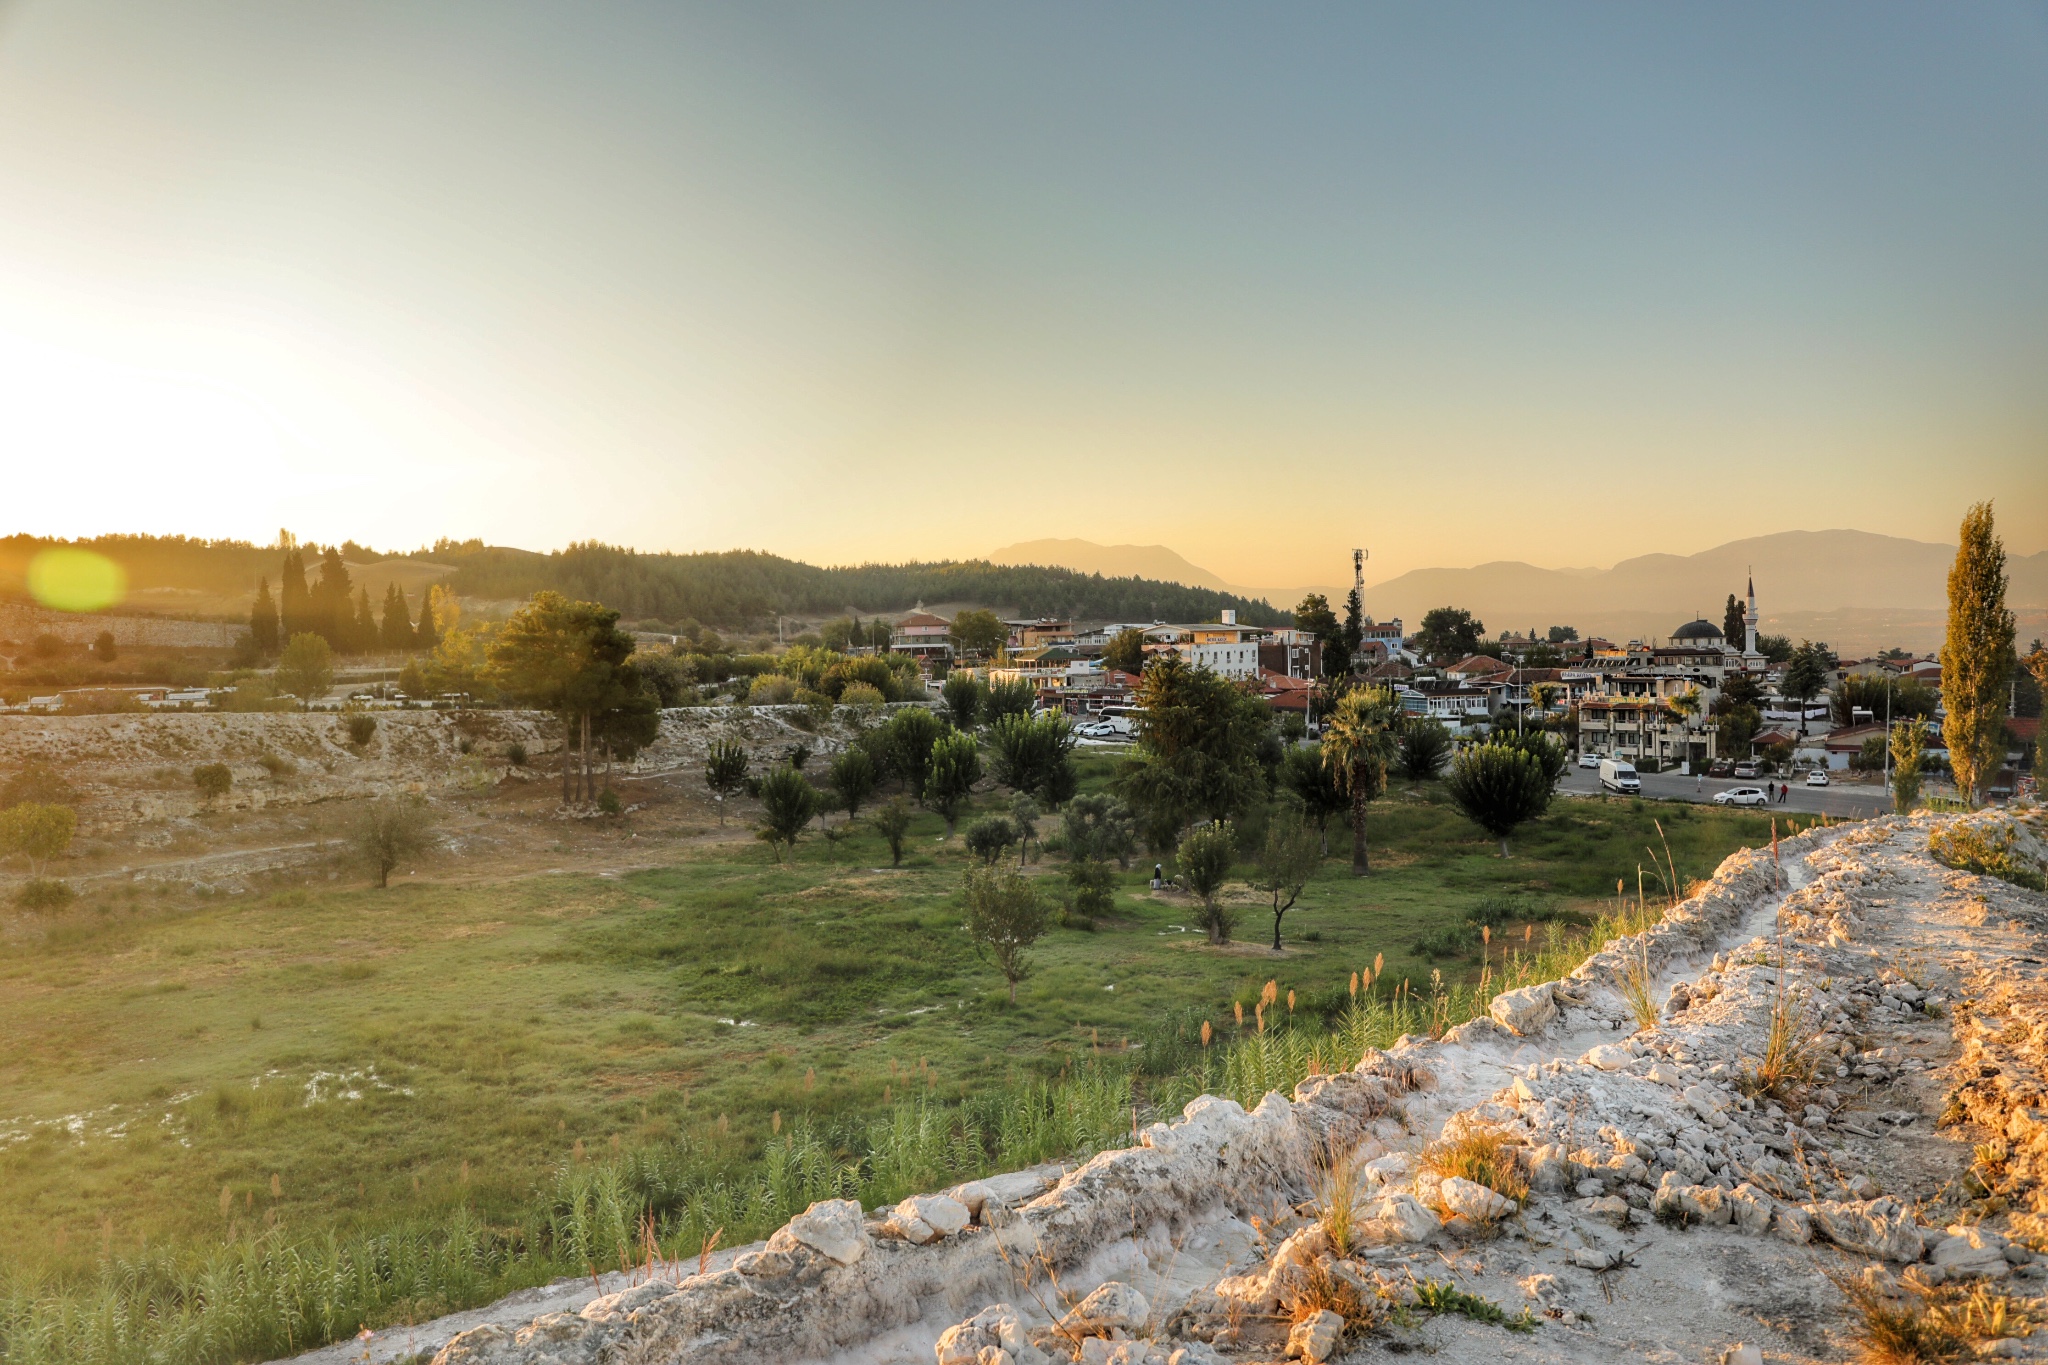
x=75, y=580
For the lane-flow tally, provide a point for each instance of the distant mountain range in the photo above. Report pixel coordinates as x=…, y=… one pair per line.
x=1857, y=590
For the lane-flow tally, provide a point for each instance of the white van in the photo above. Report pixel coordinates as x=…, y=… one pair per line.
x=1618, y=775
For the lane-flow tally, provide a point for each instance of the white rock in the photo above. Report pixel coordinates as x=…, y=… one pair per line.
x=833, y=1228
x=1879, y=1227
x=944, y=1214
x=1402, y=1218
x=1791, y=1225
x=1470, y=1199
x=1315, y=1339
x=991, y=1337
x=1742, y=1355
x=1973, y=1251
x=1609, y=1056
x=1527, y=1010
x=1112, y=1307
x=1383, y=1170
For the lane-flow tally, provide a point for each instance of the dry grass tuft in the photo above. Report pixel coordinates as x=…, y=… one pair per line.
x=1323, y=1289
x=1491, y=1157
x=1788, y=1060
x=1923, y=1324
x=1639, y=985
x=1337, y=1185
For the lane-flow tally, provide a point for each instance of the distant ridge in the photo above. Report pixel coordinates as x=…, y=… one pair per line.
x=1115, y=561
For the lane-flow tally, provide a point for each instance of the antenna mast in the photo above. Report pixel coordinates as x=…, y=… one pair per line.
x=1358, y=558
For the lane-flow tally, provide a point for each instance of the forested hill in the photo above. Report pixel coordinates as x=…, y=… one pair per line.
x=737, y=586
x=179, y=574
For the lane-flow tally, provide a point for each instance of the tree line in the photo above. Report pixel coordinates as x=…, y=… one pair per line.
x=331, y=607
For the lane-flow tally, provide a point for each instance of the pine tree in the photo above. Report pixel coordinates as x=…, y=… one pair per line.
x=1977, y=658
x=397, y=631
x=365, y=632
x=263, y=621
x=295, y=603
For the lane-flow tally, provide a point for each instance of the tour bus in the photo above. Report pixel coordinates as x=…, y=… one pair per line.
x=1619, y=775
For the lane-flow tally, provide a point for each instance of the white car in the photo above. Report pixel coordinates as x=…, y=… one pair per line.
x=1817, y=778
x=1742, y=796
x=1589, y=760
x=1096, y=729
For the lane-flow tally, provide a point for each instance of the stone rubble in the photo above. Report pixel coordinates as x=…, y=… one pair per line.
x=1850, y=1072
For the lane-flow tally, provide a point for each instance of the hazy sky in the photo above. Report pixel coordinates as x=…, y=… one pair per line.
x=845, y=281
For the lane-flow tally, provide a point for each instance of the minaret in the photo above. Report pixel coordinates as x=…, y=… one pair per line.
x=1749, y=619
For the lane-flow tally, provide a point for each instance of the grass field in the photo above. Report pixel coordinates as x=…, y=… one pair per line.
x=187, y=1075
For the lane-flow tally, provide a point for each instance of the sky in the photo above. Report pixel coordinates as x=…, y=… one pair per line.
x=1456, y=282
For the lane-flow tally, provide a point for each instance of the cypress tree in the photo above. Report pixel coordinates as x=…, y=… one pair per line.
x=427, y=636
x=364, y=635
x=263, y=620
x=295, y=602
x=397, y=619
x=1732, y=629
x=1977, y=658
x=333, y=614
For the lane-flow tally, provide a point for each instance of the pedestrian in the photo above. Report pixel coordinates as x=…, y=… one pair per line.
x=1158, y=876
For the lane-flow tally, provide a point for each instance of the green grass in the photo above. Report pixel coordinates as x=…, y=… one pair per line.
x=541, y=1064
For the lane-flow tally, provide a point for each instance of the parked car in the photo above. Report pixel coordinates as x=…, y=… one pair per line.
x=1721, y=767
x=1817, y=778
x=1742, y=796
x=1096, y=729
x=1589, y=760
x=1749, y=767
x=1619, y=775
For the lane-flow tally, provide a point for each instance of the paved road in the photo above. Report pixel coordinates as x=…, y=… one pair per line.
x=1842, y=800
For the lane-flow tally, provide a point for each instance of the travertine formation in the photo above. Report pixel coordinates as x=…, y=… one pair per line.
x=1844, y=1089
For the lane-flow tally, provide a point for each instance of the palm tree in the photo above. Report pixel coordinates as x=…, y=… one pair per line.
x=1358, y=737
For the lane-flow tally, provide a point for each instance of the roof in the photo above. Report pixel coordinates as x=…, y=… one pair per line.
x=923, y=618
x=1701, y=629
x=1479, y=663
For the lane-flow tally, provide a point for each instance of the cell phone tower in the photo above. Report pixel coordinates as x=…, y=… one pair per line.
x=1358, y=558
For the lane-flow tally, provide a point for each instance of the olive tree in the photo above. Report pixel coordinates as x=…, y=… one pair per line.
x=1205, y=857
x=389, y=830
x=1287, y=860
x=1005, y=916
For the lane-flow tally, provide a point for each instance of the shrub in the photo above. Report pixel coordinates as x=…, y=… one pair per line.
x=213, y=781
x=1091, y=894
x=277, y=765
x=39, y=783
x=43, y=894
x=361, y=727
x=771, y=689
x=853, y=778
x=608, y=801
x=515, y=754
x=1968, y=848
x=990, y=837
